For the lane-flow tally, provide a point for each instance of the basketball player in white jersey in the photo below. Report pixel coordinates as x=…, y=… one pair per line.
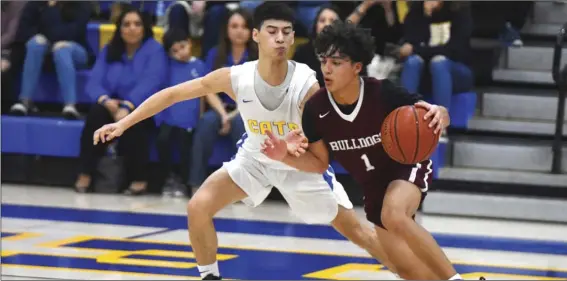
x=270, y=94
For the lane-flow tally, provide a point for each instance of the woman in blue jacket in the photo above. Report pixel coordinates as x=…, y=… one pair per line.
x=128, y=70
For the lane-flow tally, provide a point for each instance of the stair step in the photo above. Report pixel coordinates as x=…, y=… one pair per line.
x=539, y=58
x=550, y=13
x=504, y=154
x=515, y=126
x=512, y=103
x=495, y=206
x=523, y=76
x=541, y=29
x=503, y=176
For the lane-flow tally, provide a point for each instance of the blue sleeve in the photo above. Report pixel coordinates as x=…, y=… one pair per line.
x=152, y=78
x=95, y=86
x=66, y=31
x=201, y=68
x=210, y=60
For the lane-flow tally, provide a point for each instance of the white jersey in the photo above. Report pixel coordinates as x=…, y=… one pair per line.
x=258, y=119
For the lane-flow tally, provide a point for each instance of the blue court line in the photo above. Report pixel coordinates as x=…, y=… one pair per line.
x=175, y=222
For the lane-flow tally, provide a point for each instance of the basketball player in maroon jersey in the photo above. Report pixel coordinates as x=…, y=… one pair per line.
x=344, y=119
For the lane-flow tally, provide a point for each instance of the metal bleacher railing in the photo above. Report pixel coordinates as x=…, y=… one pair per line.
x=560, y=78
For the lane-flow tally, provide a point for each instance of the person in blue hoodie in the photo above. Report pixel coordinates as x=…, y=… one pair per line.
x=176, y=123
x=127, y=71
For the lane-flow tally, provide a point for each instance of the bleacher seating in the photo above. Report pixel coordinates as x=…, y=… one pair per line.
x=58, y=137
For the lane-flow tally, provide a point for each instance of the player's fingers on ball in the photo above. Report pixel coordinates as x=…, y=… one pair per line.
x=423, y=105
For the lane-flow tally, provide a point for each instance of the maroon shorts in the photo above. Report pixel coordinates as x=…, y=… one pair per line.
x=420, y=175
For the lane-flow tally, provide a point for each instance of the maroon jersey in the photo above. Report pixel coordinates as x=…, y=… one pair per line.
x=352, y=135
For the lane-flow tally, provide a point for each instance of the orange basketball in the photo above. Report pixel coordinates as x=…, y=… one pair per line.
x=406, y=137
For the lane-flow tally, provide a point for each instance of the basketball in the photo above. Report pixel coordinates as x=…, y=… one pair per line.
x=406, y=137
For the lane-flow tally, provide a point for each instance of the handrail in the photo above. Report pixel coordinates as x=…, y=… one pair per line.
x=562, y=88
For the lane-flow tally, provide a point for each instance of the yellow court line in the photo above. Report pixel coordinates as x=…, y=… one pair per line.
x=78, y=239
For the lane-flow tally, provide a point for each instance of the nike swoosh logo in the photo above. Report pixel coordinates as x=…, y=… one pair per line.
x=323, y=115
x=247, y=101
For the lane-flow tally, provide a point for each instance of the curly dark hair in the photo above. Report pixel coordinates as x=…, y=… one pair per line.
x=350, y=41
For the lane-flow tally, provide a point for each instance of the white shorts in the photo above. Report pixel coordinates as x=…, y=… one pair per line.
x=312, y=197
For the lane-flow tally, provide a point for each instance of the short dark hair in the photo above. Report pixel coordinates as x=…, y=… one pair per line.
x=172, y=36
x=353, y=42
x=273, y=11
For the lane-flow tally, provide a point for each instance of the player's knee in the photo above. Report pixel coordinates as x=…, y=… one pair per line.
x=394, y=219
x=198, y=209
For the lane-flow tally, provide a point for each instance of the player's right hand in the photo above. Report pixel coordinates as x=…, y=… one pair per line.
x=274, y=147
x=108, y=132
x=296, y=142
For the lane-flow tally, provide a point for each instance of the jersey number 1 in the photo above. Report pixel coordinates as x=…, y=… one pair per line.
x=369, y=166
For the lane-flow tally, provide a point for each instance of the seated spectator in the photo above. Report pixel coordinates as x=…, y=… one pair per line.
x=176, y=123
x=437, y=34
x=306, y=53
x=214, y=10
x=236, y=47
x=11, y=12
x=385, y=20
x=127, y=71
x=187, y=16
x=59, y=28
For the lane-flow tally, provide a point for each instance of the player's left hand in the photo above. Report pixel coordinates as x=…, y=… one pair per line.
x=296, y=142
x=436, y=113
x=274, y=147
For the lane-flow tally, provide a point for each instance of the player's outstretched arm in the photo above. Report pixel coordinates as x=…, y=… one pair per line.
x=215, y=82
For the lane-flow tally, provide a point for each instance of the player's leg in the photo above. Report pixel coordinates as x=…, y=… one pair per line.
x=217, y=192
x=407, y=264
x=361, y=234
x=400, y=204
x=322, y=199
x=231, y=183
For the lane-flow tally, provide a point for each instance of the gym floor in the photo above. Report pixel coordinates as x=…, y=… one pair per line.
x=54, y=233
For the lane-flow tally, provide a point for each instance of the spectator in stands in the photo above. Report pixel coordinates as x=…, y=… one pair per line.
x=214, y=10
x=235, y=47
x=437, y=35
x=127, y=71
x=306, y=53
x=59, y=28
x=176, y=123
x=187, y=16
x=384, y=18
x=11, y=12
